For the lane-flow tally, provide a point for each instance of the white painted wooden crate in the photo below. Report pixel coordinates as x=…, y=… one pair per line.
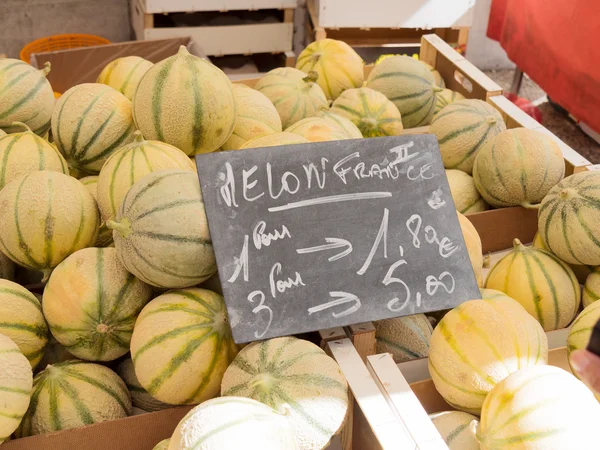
x=167, y=6
x=394, y=13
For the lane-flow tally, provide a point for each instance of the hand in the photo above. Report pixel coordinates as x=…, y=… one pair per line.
x=587, y=367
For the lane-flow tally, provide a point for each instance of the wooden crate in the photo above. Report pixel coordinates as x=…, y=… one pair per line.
x=361, y=23
x=243, y=39
x=167, y=6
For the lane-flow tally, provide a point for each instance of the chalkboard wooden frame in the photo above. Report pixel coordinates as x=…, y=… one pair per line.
x=321, y=235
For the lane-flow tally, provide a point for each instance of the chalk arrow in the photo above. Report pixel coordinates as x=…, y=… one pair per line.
x=332, y=243
x=339, y=298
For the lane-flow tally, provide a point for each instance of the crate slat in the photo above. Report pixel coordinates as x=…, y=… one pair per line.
x=168, y=6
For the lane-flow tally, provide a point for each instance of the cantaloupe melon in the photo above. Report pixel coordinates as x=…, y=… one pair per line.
x=518, y=167
x=105, y=238
x=256, y=117
x=16, y=381
x=410, y=85
x=316, y=129
x=44, y=217
x=456, y=429
x=54, y=352
x=130, y=164
x=162, y=445
x=292, y=371
x=581, y=329
x=405, y=338
x=233, y=423
x=181, y=346
x=161, y=232
x=7, y=268
x=24, y=152
x=493, y=294
x=581, y=271
x=538, y=408
x=26, y=96
x=351, y=129
x=463, y=129
x=187, y=102
x=274, y=140
x=370, y=111
x=21, y=319
x=72, y=394
x=124, y=74
x=446, y=97
x=569, y=219
x=439, y=81
x=295, y=94
x=465, y=195
x=338, y=65
x=591, y=288
x=474, y=247
x=139, y=397
x=2, y=133
x=538, y=280
x=89, y=123
x=478, y=344
x=89, y=280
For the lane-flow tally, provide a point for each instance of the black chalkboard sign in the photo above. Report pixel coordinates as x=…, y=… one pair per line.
x=320, y=235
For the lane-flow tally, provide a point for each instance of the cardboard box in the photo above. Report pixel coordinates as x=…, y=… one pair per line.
x=83, y=65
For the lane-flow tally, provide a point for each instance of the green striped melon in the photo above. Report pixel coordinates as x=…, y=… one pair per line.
x=2, y=133
x=233, y=423
x=370, y=111
x=54, y=352
x=21, y=319
x=581, y=271
x=518, y=167
x=538, y=280
x=463, y=129
x=7, y=268
x=16, y=382
x=341, y=121
x=162, y=445
x=317, y=129
x=44, y=217
x=410, y=85
x=130, y=164
x=339, y=67
x=295, y=94
x=26, y=96
x=456, y=429
x=569, y=219
x=538, y=408
x=256, y=117
x=72, y=394
x=292, y=371
x=124, y=74
x=405, y=338
x=139, y=397
x=161, y=232
x=91, y=303
x=478, y=344
x=474, y=247
x=580, y=331
x=439, y=81
x=445, y=98
x=274, y=140
x=187, y=102
x=465, y=195
x=591, y=288
x=104, y=238
x=24, y=152
x=181, y=346
x=90, y=122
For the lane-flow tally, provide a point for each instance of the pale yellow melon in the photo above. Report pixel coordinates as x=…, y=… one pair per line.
x=124, y=74
x=474, y=247
x=456, y=429
x=295, y=94
x=274, y=140
x=24, y=152
x=405, y=338
x=591, y=289
x=478, y=344
x=256, y=117
x=162, y=445
x=131, y=163
x=580, y=331
x=16, y=382
x=338, y=65
x=2, y=133
x=446, y=97
x=467, y=198
x=316, y=129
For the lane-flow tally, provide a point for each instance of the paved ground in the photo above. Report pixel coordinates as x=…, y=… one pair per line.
x=559, y=125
